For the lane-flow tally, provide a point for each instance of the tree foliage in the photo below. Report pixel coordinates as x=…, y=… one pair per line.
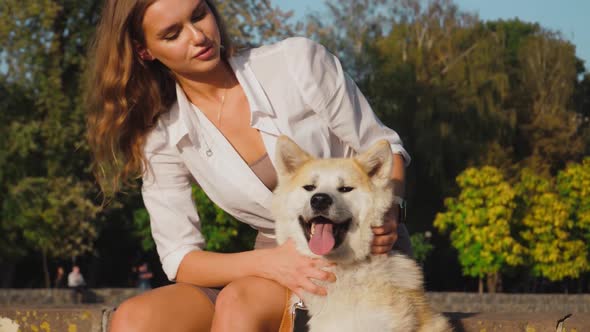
x=47, y=190
x=479, y=221
x=553, y=249
x=549, y=130
x=222, y=232
x=539, y=224
x=255, y=22
x=573, y=184
x=54, y=216
x=421, y=246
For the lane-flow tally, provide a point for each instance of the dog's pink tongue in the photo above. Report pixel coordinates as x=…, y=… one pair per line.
x=323, y=240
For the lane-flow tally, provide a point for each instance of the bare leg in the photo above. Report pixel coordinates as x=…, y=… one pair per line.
x=250, y=304
x=178, y=307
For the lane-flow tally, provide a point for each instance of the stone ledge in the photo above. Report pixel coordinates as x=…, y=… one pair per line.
x=83, y=318
x=517, y=322
x=94, y=318
x=441, y=301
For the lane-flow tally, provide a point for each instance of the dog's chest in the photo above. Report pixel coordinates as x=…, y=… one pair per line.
x=356, y=302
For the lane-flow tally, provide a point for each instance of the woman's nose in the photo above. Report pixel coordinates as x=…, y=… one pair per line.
x=197, y=35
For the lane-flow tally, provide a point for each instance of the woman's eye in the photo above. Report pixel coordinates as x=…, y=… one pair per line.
x=345, y=189
x=171, y=36
x=198, y=16
x=309, y=187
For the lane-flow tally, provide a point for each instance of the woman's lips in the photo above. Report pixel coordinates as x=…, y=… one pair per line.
x=206, y=53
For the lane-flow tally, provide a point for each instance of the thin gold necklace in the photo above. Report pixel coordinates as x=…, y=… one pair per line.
x=209, y=152
x=222, y=103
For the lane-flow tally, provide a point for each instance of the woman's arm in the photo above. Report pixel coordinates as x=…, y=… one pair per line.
x=283, y=264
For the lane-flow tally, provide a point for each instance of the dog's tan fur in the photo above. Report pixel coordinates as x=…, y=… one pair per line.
x=371, y=293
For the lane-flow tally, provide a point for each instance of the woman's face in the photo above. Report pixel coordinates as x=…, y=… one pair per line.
x=183, y=35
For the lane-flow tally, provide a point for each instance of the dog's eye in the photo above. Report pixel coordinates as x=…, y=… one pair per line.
x=309, y=187
x=345, y=189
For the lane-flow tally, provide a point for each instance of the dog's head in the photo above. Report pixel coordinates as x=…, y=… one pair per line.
x=327, y=206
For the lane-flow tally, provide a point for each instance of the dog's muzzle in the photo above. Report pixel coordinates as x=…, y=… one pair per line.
x=322, y=234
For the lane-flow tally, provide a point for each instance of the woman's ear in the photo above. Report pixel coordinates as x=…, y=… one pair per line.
x=143, y=53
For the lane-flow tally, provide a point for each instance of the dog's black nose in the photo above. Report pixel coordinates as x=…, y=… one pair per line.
x=320, y=201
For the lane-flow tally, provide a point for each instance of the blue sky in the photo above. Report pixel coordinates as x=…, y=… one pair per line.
x=568, y=16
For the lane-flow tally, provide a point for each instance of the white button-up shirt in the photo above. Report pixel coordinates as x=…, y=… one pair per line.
x=295, y=88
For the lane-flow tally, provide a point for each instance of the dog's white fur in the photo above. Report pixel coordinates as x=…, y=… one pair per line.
x=371, y=293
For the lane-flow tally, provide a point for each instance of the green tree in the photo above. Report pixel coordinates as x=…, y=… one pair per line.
x=549, y=129
x=255, y=22
x=479, y=221
x=573, y=184
x=222, y=232
x=421, y=246
x=47, y=186
x=348, y=27
x=54, y=216
x=548, y=233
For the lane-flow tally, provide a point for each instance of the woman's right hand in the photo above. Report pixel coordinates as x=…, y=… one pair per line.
x=290, y=268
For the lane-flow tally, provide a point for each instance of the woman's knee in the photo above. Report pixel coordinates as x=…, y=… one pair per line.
x=177, y=307
x=231, y=299
x=130, y=316
x=255, y=302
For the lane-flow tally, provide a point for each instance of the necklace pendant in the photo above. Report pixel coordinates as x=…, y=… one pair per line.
x=209, y=152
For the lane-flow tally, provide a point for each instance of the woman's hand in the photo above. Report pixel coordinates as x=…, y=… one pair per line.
x=295, y=271
x=386, y=235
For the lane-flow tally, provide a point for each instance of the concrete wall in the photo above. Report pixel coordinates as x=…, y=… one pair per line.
x=61, y=297
x=446, y=302
x=473, y=302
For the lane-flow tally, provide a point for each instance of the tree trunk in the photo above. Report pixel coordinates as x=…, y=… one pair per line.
x=480, y=286
x=492, y=282
x=46, y=271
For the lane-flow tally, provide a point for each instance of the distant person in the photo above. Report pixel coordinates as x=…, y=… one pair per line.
x=60, y=278
x=76, y=283
x=144, y=275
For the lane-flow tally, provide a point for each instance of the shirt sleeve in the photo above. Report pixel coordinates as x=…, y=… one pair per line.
x=334, y=95
x=167, y=195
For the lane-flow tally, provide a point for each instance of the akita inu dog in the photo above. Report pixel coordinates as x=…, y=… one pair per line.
x=327, y=206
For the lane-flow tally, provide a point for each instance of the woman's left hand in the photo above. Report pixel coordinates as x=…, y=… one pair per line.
x=386, y=235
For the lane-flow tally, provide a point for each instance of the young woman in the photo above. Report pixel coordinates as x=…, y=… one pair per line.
x=172, y=102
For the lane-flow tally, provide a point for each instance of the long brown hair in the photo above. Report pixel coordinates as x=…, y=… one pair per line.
x=125, y=95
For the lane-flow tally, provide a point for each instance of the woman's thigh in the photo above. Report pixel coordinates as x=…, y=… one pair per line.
x=250, y=304
x=178, y=307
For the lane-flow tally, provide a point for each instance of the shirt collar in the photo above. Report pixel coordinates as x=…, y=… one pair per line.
x=259, y=103
x=179, y=122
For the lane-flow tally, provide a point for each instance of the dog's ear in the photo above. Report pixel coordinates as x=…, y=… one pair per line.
x=289, y=156
x=377, y=162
